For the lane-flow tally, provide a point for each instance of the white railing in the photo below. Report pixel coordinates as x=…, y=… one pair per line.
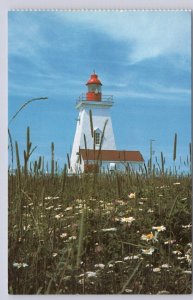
x=104, y=98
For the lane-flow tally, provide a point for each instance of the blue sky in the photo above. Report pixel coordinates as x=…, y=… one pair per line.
x=142, y=58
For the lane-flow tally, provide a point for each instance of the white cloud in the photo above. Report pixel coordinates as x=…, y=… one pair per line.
x=151, y=34
x=157, y=92
x=25, y=37
x=147, y=34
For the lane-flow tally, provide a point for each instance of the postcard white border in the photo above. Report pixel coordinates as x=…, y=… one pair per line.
x=6, y=5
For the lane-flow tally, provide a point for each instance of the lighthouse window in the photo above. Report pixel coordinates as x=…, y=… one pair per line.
x=94, y=88
x=97, y=138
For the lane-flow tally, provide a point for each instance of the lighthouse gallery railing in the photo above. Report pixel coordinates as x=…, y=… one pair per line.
x=106, y=98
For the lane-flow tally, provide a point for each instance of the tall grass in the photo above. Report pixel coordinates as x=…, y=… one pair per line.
x=175, y=147
x=52, y=162
x=74, y=233
x=28, y=152
x=24, y=105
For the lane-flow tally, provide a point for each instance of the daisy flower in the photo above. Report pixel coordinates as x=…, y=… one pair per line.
x=109, y=229
x=127, y=220
x=131, y=196
x=148, y=251
x=159, y=228
x=91, y=274
x=156, y=270
x=101, y=266
x=147, y=237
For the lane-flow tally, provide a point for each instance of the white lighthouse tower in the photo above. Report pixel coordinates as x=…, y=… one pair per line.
x=100, y=107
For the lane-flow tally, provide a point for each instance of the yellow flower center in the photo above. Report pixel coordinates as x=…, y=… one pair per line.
x=149, y=236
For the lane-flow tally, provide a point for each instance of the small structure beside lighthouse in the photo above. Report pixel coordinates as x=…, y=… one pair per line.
x=97, y=151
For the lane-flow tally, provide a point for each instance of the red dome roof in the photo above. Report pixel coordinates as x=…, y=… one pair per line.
x=93, y=80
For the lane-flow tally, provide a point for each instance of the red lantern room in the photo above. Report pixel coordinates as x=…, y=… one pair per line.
x=94, y=88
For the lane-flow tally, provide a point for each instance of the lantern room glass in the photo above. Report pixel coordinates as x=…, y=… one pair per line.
x=94, y=88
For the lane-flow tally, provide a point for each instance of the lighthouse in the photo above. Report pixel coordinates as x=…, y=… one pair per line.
x=94, y=147
x=100, y=106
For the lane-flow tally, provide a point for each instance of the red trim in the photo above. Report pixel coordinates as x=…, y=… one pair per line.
x=93, y=80
x=111, y=155
x=90, y=96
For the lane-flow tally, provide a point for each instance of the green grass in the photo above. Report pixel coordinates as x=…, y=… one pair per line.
x=65, y=227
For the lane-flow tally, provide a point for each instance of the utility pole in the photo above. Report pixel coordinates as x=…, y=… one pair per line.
x=151, y=154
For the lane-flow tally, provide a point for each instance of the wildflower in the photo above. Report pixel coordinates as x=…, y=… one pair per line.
x=156, y=270
x=119, y=262
x=81, y=281
x=73, y=237
x=127, y=220
x=165, y=266
x=169, y=242
x=128, y=291
x=147, y=237
x=109, y=229
x=111, y=271
x=183, y=199
x=91, y=274
x=17, y=265
x=120, y=202
x=25, y=265
x=149, y=266
x=181, y=257
x=49, y=207
x=67, y=226
x=110, y=265
x=101, y=266
x=176, y=183
x=57, y=208
x=26, y=228
x=188, y=258
x=177, y=252
x=54, y=254
x=131, y=257
x=79, y=206
x=150, y=210
x=69, y=208
x=20, y=265
x=187, y=272
x=131, y=196
x=148, y=251
x=164, y=186
x=141, y=203
x=159, y=228
x=51, y=198
x=63, y=235
x=59, y=216
x=163, y=292
x=187, y=226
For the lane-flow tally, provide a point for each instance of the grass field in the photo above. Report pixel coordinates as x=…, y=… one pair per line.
x=99, y=233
